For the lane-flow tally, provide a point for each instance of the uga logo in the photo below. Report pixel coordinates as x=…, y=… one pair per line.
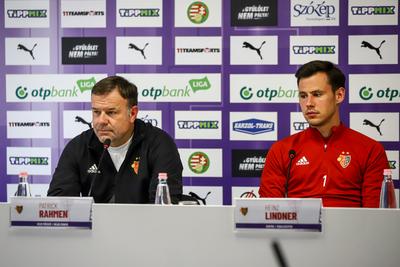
x=244, y=211
x=19, y=208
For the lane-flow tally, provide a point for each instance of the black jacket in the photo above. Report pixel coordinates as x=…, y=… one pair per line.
x=151, y=151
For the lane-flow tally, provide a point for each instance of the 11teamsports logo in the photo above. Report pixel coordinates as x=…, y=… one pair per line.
x=197, y=12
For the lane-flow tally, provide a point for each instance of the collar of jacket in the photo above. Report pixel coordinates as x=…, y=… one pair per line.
x=336, y=131
x=139, y=133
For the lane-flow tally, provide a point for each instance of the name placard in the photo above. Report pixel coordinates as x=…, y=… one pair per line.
x=70, y=212
x=278, y=213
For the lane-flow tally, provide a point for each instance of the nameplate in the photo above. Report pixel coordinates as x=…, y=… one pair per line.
x=278, y=213
x=53, y=212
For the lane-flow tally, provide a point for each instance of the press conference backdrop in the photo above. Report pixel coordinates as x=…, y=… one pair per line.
x=217, y=75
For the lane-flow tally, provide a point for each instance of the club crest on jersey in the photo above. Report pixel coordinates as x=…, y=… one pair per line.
x=344, y=159
x=135, y=165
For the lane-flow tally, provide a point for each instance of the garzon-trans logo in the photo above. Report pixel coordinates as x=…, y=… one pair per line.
x=253, y=126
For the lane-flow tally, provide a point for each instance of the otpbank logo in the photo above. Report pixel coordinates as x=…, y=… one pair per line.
x=51, y=87
x=199, y=87
x=263, y=88
x=374, y=88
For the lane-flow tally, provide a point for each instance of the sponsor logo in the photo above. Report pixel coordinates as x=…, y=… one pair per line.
x=135, y=165
x=83, y=121
x=19, y=208
x=44, y=93
x=29, y=160
x=344, y=159
x=392, y=164
x=371, y=47
x=93, y=169
x=83, y=13
x=248, y=194
x=300, y=125
x=139, y=12
x=27, y=13
x=29, y=124
x=198, y=162
x=317, y=9
x=84, y=50
x=244, y=211
x=194, y=85
x=302, y=161
x=373, y=10
x=197, y=12
x=198, y=50
x=253, y=126
x=141, y=50
x=247, y=93
x=152, y=121
x=366, y=93
x=30, y=51
x=254, y=13
x=248, y=162
x=197, y=124
x=198, y=198
x=376, y=126
x=251, y=47
x=314, y=49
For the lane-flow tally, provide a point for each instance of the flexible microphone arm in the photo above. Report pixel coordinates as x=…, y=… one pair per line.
x=106, y=145
x=292, y=154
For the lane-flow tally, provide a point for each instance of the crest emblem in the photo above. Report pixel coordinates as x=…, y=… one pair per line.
x=19, y=208
x=135, y=165
x=244, y=211
x=344, y=159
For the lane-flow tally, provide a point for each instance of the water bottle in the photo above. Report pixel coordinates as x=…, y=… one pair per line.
x=23, y=189
x=388, y=197
x=162, y=192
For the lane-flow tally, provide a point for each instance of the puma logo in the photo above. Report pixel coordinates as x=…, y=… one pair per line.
x=378, y=127
x=133, y=46
x=30, y=51
x=370, y=46
x=203, y=200
x=251, y=47
x=80, y=119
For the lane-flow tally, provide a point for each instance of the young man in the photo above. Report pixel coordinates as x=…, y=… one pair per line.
x=327, y=160
x=126, y=172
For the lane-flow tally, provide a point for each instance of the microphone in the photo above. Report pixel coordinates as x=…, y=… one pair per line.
x=106, y=145
x=292, y=155
x=278, y=253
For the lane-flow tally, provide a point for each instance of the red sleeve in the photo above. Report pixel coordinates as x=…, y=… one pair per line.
x=273, y=176
x=373, y=176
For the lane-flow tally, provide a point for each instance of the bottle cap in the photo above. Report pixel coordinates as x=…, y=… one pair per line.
x=387, y=172
x=162, y=175
x=23, y=174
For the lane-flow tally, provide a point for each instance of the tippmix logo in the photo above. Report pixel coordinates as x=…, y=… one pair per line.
x=198, y=12
x=198, y=162
x=139, y=12
x=370, y=12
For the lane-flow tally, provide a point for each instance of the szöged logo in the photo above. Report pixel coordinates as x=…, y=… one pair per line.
x=197, y=12
x=253, y=126
x=199, y=162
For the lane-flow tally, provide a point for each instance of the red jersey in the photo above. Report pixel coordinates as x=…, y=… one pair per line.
x=345, y=170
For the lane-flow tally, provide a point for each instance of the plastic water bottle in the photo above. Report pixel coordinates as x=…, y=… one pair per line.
x=23, y=189
x=388, y=197
x=162, y=192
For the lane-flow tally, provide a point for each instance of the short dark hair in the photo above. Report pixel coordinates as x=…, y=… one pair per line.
x=336, y=77
x=127, y=89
